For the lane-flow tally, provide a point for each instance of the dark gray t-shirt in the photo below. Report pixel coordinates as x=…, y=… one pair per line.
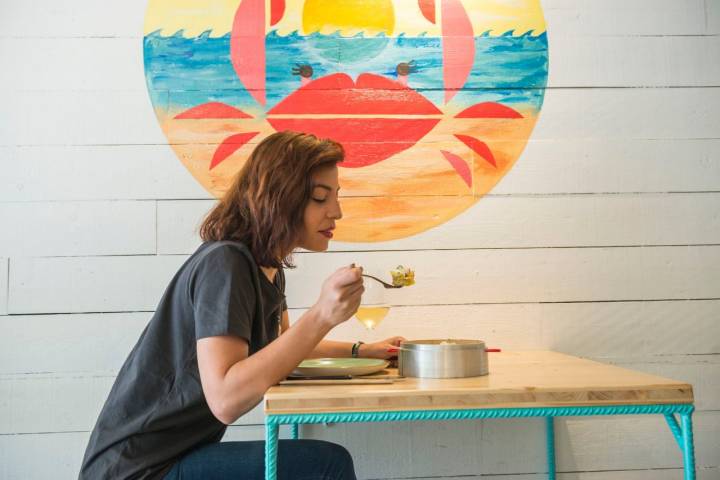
x=156, y=411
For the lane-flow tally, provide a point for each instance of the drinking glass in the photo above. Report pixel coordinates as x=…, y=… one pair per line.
x=374, y=305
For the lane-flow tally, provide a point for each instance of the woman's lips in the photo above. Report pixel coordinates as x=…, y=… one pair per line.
x=327, y=233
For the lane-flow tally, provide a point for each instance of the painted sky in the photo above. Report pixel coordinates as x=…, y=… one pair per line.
x=195, y=16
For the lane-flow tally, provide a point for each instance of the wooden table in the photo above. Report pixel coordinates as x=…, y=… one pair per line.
x=521, y=384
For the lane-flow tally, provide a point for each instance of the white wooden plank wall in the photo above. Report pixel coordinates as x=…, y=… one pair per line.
x=603, y=241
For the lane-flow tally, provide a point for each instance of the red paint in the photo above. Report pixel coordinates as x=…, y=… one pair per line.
x=493, y=350
x=458, y=46
x=489, y=110
x=371, y=94
x=478, y=147
x=277, y=10
x=229, y=146
x=460, y=166
x=427, y=7
x=366, y=140
x=213, y=110
x=247, y=47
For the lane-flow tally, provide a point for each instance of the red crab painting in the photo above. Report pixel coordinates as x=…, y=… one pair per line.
x=410, y=164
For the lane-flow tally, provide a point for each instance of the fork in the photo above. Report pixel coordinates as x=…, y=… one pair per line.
x=384, y=284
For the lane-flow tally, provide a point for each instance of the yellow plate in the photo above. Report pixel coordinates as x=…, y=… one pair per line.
x=329, y=367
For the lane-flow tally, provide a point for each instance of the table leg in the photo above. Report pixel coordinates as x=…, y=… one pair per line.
x=271, y=444
x=295, y=431
x=550, y=440
x=687, y=446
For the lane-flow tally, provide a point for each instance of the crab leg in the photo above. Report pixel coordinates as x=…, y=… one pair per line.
x=458, y=46
x=247, y=47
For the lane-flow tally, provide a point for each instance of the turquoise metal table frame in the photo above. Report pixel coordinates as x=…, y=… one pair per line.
x=682, y=431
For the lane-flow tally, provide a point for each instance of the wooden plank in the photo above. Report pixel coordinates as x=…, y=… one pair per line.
x=712, y=12
x=89, y=284
x=85, y=18
x=599, y=113
x=534, y=275
x=121, y=172
x=62, y=344
x=624, y=113
x=633, y=330
x=623, y=165
x=546, y=167
x=578, y=61
x=94, y=284
x=178, y=225
x=516, y=221
x=601, y=331
x=62, y=454
x=79, y=118
x=76, y=402
x=107, y=63
x=78, y=228
x=4, y=266
x=618, y=17
x=116, y=64
x=74, y=18
x=608, y=331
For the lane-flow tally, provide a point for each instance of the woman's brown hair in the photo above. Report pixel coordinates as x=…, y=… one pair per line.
x=265, y=205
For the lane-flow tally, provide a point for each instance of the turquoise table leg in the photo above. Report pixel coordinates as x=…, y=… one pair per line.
x=550, y=439
x=271, y=444
x=294, y=431
x=687, y=445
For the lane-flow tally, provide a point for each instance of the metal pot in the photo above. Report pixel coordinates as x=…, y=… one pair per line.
x=447, y=358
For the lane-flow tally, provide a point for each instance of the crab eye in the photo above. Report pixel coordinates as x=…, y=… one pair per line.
x=406, y=68
x=304, y=70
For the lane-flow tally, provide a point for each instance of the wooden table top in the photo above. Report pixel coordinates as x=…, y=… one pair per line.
x=516, y=379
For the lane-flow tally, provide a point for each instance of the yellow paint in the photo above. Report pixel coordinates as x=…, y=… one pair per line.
x=415, y=190
x=328, y=16
x=192, y=16
x=197, y=16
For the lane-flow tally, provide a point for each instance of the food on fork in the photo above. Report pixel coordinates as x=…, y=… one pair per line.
x=402, y=276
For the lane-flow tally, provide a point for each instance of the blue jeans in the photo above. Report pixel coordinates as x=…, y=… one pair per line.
x=297, y=460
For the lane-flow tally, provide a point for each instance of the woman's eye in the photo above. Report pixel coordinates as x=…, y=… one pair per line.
x=319, y=200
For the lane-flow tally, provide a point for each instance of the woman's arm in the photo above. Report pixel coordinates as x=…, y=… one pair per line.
x=234, y=382
x=333, y=349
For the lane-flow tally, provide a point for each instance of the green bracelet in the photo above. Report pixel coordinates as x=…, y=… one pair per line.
x=356, y=349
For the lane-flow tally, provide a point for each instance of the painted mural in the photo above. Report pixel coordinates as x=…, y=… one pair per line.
x=433, y=100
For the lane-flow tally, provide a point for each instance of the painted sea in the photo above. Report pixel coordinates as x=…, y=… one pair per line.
x=185, y=72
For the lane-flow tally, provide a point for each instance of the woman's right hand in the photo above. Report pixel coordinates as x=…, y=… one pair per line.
x=340, y=295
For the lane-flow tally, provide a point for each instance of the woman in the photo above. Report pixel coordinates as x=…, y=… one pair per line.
x=213, y=346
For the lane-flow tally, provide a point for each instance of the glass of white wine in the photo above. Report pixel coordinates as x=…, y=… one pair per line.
x=373, y=306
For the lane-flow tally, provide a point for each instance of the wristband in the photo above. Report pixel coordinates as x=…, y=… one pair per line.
x=356, y=349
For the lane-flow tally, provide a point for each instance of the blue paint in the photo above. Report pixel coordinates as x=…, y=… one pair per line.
x=191, y=71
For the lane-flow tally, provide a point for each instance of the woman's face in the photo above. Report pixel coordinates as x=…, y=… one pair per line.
x=322, y=210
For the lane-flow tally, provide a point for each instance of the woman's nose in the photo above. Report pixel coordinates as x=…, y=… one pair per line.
x=336, y=212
